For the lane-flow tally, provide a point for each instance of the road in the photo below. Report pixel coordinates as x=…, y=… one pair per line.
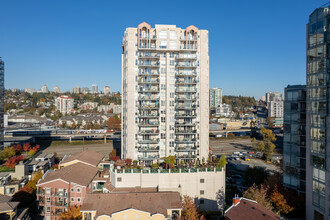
x=227, y=146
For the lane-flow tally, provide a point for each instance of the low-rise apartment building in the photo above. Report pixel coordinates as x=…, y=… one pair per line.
x=203, y=184
x=64, y=104
x=88, y=157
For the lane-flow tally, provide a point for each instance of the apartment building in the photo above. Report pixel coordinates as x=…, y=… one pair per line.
x=294, y=138
x=275, y=109
x=215, y=97
x=95, y=88
x=273, y=96
x=56, y=89
x=165, y=101
x=2, y=101
x=317, y=117
x=76, y=90
x=106, y=90
x=64, y=104
x=44, y=89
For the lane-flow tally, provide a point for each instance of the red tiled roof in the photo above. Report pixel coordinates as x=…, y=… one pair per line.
x=87, y=156
x=152, y=202
x=248, y=209
x=79, y=173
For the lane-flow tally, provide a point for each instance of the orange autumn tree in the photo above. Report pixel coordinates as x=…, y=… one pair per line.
x=73, y=213
x=26, y=147
x=280, y=202
x=114, y=123
x=190, y=210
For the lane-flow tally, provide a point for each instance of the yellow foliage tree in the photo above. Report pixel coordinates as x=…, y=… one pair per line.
x=280, y=202
x=73, y=213
x=34, y=180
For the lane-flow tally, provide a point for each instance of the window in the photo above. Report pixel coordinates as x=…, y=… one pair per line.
x=171, y=62
x=48, y=191
x=48, y=209
x=172, y=95
x=201, y=192
x=163, y=136
x=163, y=44
x=118, y=179
x=171, y=55
x=48, y=199
x=163, y=70
x=163, y=119
x=163, y=62
x=163, y=87
x=173, y=35
x=78, y=190
x=201, y=201
x=78, y=199
x=171, y=136
x=163, y=34
x=201, y=181
x=173, y=44
x=72, y=199
x=172, y=70
x=72, y=189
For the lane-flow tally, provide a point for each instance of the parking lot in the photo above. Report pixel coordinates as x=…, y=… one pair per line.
x=228, y=146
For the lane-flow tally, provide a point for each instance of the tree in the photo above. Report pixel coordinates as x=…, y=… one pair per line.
x=270, y=121
x=170, y=161
x=113, y=153
x=190, y=211
x=128, y=161
x=267, y=134
x=268, y=150
x=34, y=180
x=255, y=175
x=18, y=148
x=280, y=202
x=7, y=153
x=222, y=162
x=114, y=123
x=26, y=147
x=230, y=135
x=73, y=213
x=25, y=196
x=259, y=194
x=155, y=165
x=13, y=161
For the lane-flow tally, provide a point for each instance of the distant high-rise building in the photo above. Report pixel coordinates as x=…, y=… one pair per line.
x=165, y=84
x=30, y=90
x=318, y=115
x=106, y=90
x=76, y=90
x=294, y=138
x=275, y=109
x=64, y=104
x=95, y=88
x=2, y=94
x=56, y=89
x=44, y=89
x=273, y=96
x=85, y=90
x=215, y=97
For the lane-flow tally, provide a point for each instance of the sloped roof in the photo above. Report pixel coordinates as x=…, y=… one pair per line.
x=152, y=202
x=248, y=209
x=79, y=173
x=6, y=204
x=88, y=156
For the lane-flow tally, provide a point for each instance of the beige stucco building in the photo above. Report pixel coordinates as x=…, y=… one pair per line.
x=165, y=93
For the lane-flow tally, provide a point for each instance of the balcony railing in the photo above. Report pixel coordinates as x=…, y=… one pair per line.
x=149, y=90
x=178, y=115
x=185, y=131
x=186, y=140
x=191, y=38
x=148, y=132
x=149, y=64
x=186, y=81
x=151, y=141
x=193, y=48
x=145, y=47
x=185, y=107
x=151, y=149
x=153, y=37
x=187, y=57
x=148, y=157
x=186, y=156
x=186, y=90
x=149, y=116
x=181, y=73
x=186, y=65
x=182, y=98
x=149, y=56
x=153, y=81
x=148, y=97
x=185, y=123
x=148, y=106
x=150, y=124
x=185, y=149
x=145, y=73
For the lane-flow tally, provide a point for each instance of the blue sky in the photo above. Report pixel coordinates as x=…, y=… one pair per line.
x=255, y=46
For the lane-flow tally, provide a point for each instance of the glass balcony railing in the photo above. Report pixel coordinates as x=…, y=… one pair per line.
x=186, y=56
x=185, y=107
x=185, y=123
x=148, y=157
x=151, y=149
x=148, y=124
x=150, y=141
x=149, y=132
x=188, y=156
x=185, y=89
x=149, y=64
x=147, y=47
x=192, y=48
x=150, y=97
x=145, y=73
x=191, y=38
x=185, y=149
x=179, y=131
x=149, y=90
x=183, y=98
x=148, y=106
x=147, y=55
x=186, y=81
x=149, y=81
x=183, y=73
x=185, y=140
x=149, y=116
x=186, y=65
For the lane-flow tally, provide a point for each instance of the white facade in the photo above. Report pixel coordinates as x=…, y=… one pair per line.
x=224, y=110
x=203, y=186
x=275, y=109
x=106, y=90
x=165, y=100
x=30, y=90
x=215, y=97
x=273, y=96
x=76, y=90
x=64, y=104
x=56, y=89
x=95, y=88
x=44, y=89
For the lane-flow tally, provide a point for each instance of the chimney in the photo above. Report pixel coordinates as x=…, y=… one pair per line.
x=236, y=200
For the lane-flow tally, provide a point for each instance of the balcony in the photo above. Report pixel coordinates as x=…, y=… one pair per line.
x=149, y=56
x=178, y=131
x=148, y=106
x=182, y=73
x=151, y=141
x=148, y=90
x=189, y=48
x=148, y=97
x=185, y=123
x=182, y=98
x=186, y=82
x=188, y=65
x=148, y=64
x=145, y=47
x=178, y=115
x=190, y=38
x=148, y=157
x=148, y=149
x=145, y=73
x=185, y=149
x=186, y=57
x=185, y=107
x=147, y=37
x=185, y=90
x=150, y=124
x=61, y=204
x=149, y=116
x=186, y=140
x=150, y=81
x=149, y=132
x=186, y=156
